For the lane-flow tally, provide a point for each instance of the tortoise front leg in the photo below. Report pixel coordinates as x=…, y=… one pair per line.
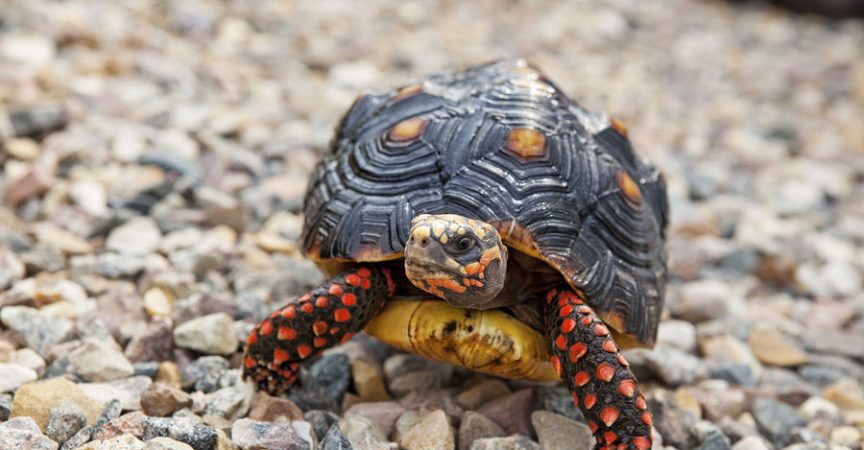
x=598, y=376
x=324, y=317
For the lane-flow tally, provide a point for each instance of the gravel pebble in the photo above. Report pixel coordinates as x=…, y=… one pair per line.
x=189, y=431
x=776, y=419
x=557, y=432
x=65, y=421
x=12, y=376
x=212, y=334
x=433, y=431
x=98, y=360
x=40, y=330
x=22, y=432
x=160, y=400
x=248, y=433
x=515, y=442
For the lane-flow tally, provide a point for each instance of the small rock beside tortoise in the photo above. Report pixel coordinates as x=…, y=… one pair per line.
x=484, y=219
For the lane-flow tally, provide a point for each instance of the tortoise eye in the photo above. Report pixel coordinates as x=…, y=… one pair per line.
x=464, y=244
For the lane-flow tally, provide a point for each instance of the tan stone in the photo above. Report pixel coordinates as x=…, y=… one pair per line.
x=773, y=347
x=37, y=399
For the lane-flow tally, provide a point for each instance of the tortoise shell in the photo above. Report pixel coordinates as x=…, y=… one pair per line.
x=502, y=144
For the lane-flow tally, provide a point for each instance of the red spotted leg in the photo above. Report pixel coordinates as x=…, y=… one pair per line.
x=324, y=317
x=596, y=373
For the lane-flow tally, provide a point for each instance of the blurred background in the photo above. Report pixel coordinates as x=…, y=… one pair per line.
x=155, y=154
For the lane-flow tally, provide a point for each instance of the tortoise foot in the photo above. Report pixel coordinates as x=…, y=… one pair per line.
x=324, y=317
x=603, y=387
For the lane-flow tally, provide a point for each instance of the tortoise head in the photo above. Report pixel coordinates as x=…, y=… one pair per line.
x=460, y=260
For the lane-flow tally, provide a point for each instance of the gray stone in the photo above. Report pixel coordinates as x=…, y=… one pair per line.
x=481, y=393
x=557, y=432
x=363, y=434
x=335, y=440
x=164, y=443
x=512, y=412
x=12, y=376
x=139, y=236
x=99, y=360
x=475, y=426
x=228, y=403
x=65, y=421
x=324, y=384
x=204, y=373
x=433, y=431
x=5, y=406
x=750, y=443
x=515, y=442
x=23, y=433
x=127, y=390
x=189, y=431
x=320, y=419
x=775, y=419
x=212, y=334
x=557, y=399
x=80, y=438
x=710, y=436
x=248, y=433
x=382, y=414
x=39, y=330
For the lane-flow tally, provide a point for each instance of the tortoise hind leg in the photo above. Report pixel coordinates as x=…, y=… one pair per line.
x=598, y=376
x=322, y=318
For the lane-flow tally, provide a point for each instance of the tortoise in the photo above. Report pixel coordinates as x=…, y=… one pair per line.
x=530, y=217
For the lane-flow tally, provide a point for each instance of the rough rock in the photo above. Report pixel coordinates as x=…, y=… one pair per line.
x=557, y=432
x=212, y=334
x=160, y=400
x=475, y=426
x=433, y=432
x=98, y=360
x=64, y=421
x=382, y=414
x=515, y=442
x=248, y=433
x=512, y=412
x=23, y=433
x=37, y=399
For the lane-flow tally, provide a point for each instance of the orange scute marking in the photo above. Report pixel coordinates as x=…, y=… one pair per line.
x=590, y=400
x=556, y=364
x=290, y=312
x=286, y=333
x=561, y=342
x=641, y=443
x=605, y=372
x=627, y=388
x=610, y=437
x=618, y=126
x=609, y=346
x=582, y=378
x=601, y=330
x=577, y=351
x=566, y=310
x=526, y=142
x=609, y=415
x=568, y=325
x=407, y=130
x=353, y=279
x=646, y=418
x=342, y=315
x=265, y=328
x=335, y=289
x=349, y=299
x=304, y=351
x=319, y=327
x=322, y=302
x=629, y=187
x=280, y=356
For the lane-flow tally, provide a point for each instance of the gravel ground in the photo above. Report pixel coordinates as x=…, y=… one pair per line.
x=155, y=155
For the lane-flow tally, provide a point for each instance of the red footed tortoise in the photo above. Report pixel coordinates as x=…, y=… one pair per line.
x=532, y=218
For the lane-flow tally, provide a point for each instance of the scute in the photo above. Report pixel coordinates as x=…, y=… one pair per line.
x=573, y=204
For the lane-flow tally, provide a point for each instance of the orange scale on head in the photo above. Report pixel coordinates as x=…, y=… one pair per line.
x=280, y=356
x=266, y=328
x=590, y=401
x=561, y=342
x=581, y=378
x=346, y=338
x=577, y=351
x=556, y=364
x=286, y=333
x=609, y=415
x=304, y=351
x=627, y=388
x=342, y=315
x=605, y=372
